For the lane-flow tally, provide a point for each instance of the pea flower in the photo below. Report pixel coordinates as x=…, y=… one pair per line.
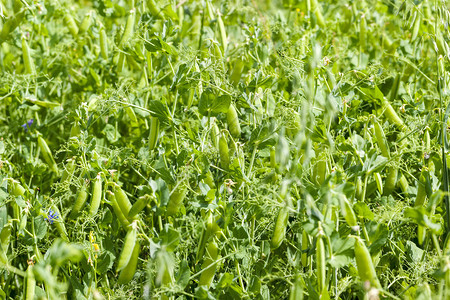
x=51, y=216
x=27, y=124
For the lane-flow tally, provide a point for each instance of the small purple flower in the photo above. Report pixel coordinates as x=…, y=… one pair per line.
x=27, y=124
x=51, y=216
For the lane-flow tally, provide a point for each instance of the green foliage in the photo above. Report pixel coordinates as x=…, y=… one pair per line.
x=238, y=150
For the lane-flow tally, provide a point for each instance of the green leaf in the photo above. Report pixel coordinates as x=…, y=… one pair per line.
x=362, y=210
x=184, y=274
x=159, y=110
x=211, y=105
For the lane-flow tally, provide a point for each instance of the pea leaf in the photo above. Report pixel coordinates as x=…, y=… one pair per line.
x=211, y=105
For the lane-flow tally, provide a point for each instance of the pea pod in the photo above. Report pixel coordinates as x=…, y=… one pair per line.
x=154, y=10
x=71, y=25
x=104, y=44
x=47, y=154
x=31, y=284
x=316, y=9
x=176, y=199
x=27, y=59
x=363, y=33
x=138, y=206
x=154, y=132
x=391, y=115
x=224, y=154
x=215, y=135
x=17, y=189
x=391, y=181
x=5, y=236
x=347, y=212
x=117, y=211
x=11, y=24
x=128, y=246
x=128, y=272
x=305, y=246
x=233, y=122
x=416, y=26
x=403, y=183
x=86, y=23
x=320, y=169
x=59, y=224
x=70, y=168
x=379, y=182
x=364, y=264
x=79, y=202
x=122, y=200
x=279, y=231
x=209, y=265
x=223, y=32
x=321, y=266
x=96, y=196
x=129, y=28
x=381, y=138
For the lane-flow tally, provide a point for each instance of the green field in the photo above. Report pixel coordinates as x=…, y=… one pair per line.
x=242, y=149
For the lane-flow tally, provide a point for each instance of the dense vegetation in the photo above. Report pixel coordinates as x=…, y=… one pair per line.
x=224, y=149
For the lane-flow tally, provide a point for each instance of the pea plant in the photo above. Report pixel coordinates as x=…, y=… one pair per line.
x=242, y=149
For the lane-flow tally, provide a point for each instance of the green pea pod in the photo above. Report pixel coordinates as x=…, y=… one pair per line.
x=305, y=246
x=138, y=206
x=223, y=33
x=70, y=168
x=381, y=139
x=128, y=246
x=79, y=202
x=104, y=44
x=117, y=211
x=31, y=284
x=132, y=115
x=122, y=200
x=153, y=8
x=59, y=224
x=211, y=229
x=321, y=266
x=23, y=220
x=364, y=264
x=391, y=115
x=209, y=265
x=224, y=154
x=27, y=59
x=129, y=28
x=233, y=122
x=379, y=182
x=71, y=25
x=128, y=272
x=391, y=181
x=154, y=132
x=347, y=212
x=47, y=154
x=96, y=196
x=176, y=199
x=403, y=183
x=279, y=231
x=215, y=135
x=209, y=180
x=11, y=24
x=421, y=188
x=86, y=23
x=363, y=33
x=320, y=169
x=416, y=26
x=17, y=189
x=317, y=11
x=5, y=236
